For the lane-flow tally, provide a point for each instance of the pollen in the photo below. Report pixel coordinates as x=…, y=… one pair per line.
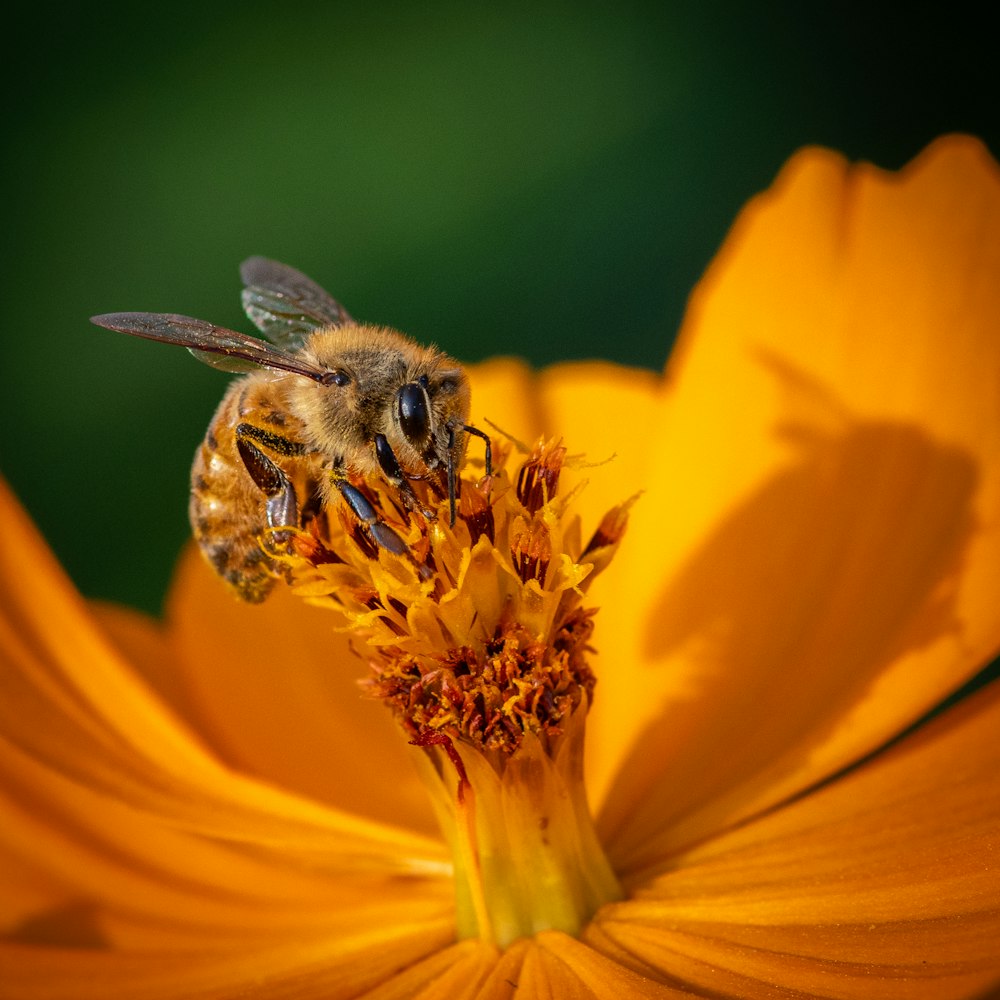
x=491, y=696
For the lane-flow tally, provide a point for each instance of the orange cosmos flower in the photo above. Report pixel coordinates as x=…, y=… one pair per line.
x=209, y=808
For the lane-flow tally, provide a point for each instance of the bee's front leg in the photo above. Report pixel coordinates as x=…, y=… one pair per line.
x=488, y=457
x=366, y=513
x=453, y=480
x=395, y=476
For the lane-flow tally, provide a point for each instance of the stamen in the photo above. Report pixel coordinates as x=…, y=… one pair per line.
x=538, y=479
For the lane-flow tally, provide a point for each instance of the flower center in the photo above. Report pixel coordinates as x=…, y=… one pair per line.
x=490, y=695
x=477, y=642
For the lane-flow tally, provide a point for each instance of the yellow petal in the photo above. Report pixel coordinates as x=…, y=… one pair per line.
x=28, y=891
x=603, y=412
x=505, y=393
x=471, y=977
x=273, y=689
x=562, y=966
x=883, y=883
x=141, y=872
x=334, y=969
x=76, y=714
x=442, y=974
x=142, y=641
x=816, y=559
x=550, y=966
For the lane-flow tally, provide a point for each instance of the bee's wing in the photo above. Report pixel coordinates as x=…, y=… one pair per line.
x=284, y=304
x=215, y=345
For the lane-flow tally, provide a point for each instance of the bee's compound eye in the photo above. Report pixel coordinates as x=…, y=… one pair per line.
x=337, y=378
x=414, y=413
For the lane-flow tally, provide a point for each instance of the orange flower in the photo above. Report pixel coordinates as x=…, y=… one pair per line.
x=208, y=808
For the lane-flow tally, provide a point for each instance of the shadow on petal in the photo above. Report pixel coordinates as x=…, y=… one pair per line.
x=816, y=620
x=75, y=925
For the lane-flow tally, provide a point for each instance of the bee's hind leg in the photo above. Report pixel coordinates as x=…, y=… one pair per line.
x=281, y=507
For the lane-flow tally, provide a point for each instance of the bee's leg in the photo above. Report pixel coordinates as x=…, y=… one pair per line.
x=469, y=429
x=277, y=443
x=453, y=472
x=395, y=476
x=366, y=513
x=281, y=506
x=452, y=477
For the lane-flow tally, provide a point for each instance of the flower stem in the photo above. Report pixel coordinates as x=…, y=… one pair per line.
x=525, y=851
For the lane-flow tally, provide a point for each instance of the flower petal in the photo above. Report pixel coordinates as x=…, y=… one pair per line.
x=273, y=690
x=28, y=891
x=505, y=393
x=332, y=968
x=548, y=966
x=143, y=643
x=76, y=723
x=604, y=412
x=816, y=560
x=443, y=974
x=148, y=882
x=562, y=966
x=883, y=882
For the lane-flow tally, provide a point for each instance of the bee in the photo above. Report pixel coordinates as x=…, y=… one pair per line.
x=325, y=399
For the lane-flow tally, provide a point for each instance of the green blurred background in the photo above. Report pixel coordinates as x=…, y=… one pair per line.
x=546, y=181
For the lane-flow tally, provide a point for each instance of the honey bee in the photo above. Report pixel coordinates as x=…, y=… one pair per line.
x=325, y=399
